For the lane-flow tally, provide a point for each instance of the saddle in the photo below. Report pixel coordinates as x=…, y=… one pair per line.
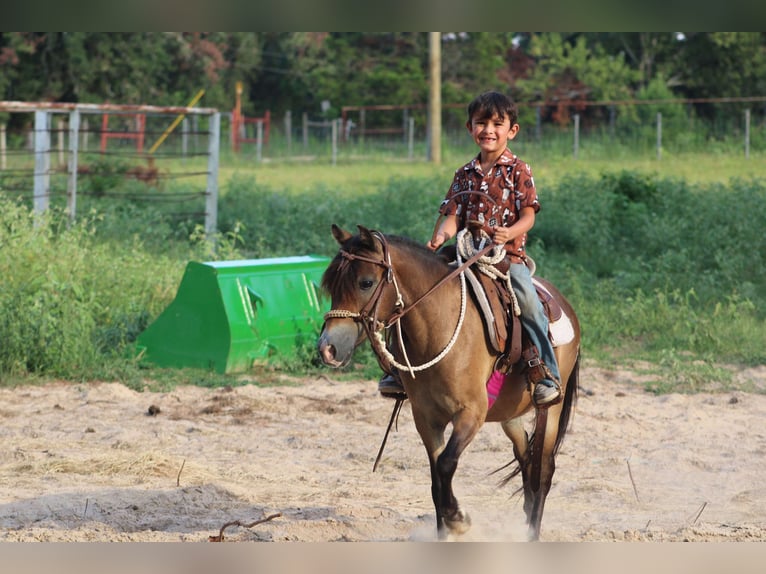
x=495, y=303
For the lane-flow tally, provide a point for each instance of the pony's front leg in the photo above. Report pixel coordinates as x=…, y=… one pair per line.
x=465, y=425
x=432, y=435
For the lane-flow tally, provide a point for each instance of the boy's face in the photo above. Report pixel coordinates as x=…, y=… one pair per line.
x=492, y=134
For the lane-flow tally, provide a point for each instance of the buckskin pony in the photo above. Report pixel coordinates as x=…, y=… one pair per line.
x=392, y=291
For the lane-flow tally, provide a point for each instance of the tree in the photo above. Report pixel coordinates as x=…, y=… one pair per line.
x=723, y=64
x=568, y=73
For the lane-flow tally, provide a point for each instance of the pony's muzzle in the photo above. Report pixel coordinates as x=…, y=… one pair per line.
x=336, y=347
x=327, y=354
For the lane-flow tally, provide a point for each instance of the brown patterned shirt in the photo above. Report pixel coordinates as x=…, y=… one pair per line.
x=509, y=183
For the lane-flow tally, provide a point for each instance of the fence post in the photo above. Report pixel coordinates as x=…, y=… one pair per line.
x=362, y=125
x=258, y=141
x=576, y=134
x=184, y=139
x=411, y=138
x=60, y=139
x=405, y=123
x=334, y=128
x=659, y=135
x=85, y=131
x=42, y=142
x=3, y=164
x=289, y=130
x=74, y=140
x=305, y=131
x=747, y=133
x=211, y=203
x=195, y=132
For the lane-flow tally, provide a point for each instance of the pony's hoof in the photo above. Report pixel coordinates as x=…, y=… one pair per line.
x=458, y=525
x=533, y=535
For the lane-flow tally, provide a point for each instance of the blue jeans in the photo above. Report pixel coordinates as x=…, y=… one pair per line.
x=533, y=317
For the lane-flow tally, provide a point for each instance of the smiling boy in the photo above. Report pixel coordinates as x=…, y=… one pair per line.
x=499, y=173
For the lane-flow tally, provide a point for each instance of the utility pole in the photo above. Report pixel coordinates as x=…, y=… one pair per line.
x=435, y=97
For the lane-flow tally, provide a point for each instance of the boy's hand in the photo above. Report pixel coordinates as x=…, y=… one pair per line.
x=502, y=235
x=437, y=241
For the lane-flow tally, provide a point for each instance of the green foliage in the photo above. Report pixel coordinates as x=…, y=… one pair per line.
x=656, y=267
x=70, y=302
x=575, y=71
x=734, y=64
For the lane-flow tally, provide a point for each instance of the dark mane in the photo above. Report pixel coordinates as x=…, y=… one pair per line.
x=336, y=279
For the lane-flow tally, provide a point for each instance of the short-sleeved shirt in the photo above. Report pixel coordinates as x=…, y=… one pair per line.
x=509, y=183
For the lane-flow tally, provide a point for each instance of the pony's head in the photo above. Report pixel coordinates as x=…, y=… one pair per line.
x=364, y=289
x=354, y=280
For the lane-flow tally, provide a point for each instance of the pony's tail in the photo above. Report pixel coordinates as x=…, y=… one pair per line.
x=567, y=409
x=570, y=400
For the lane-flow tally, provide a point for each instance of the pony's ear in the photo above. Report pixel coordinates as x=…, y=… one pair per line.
x=340, y=235
x=365, y=235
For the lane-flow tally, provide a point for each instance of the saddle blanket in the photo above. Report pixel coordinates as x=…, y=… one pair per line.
x=561, y=330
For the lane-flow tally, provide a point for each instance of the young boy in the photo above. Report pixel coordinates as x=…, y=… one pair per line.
x=492, y=123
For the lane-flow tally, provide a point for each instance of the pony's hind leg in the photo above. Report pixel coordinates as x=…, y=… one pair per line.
x=536, y=464
x=514, y=429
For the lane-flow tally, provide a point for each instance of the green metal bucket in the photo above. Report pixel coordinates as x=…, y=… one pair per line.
x=228, y=315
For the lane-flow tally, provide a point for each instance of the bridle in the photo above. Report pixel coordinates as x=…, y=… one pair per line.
x=367, y=316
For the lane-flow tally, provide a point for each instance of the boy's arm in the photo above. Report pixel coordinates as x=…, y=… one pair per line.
x=443, y=231
x=505, y=234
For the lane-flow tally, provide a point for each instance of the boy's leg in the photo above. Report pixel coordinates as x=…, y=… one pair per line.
x=535, y=322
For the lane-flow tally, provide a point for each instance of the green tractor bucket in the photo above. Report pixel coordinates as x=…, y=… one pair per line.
x=229, y=315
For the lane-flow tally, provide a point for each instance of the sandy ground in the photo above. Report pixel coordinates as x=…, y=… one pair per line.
x=87, y=462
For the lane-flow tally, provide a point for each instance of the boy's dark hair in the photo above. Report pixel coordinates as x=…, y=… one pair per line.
x=488, y=104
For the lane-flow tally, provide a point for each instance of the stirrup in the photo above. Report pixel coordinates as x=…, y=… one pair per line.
x=390, y=387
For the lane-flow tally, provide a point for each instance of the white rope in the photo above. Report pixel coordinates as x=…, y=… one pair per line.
x=486, y=263
x=408, y=367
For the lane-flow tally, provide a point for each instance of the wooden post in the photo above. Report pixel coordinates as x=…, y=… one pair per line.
x=85, y=134
x=42, y=176
x=184, y=139
x=659, y=135
x=213, y=150
x=362, y=125
x=405, y=123
x=576, y=145
x=60, y=140
x=3, y=164
x=289, y=130
x=259, y=141
x=434, y=97
x=334, y=127
x=74, y=139
x=411, y=138
x=305, y=131
x=747, y=133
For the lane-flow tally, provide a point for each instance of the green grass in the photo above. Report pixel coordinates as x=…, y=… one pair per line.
x=664, y=260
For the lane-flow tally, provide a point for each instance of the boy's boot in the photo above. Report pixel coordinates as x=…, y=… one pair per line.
x=547, y=390
x=391, y=387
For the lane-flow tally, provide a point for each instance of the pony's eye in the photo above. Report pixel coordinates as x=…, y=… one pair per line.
x=365, y=284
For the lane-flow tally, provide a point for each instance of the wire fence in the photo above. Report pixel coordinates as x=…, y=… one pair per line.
x=648, y=128
x=62, y=154
x=69, y=154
